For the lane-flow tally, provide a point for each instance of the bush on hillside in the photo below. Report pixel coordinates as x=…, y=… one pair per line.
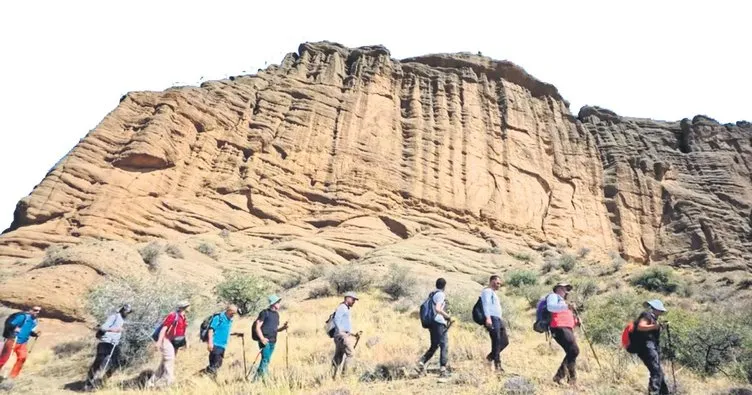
x=208, y=249
x=246, y=291
x=606, y=317
x=658, y=279
x=522, y=256
x=549, y=265
x=349, y=277
x=567, y=262
x=532, y=293
x=323, y=291
x=616, y=261
x=150, y=300
x=519, y=278
x=173, y=251
x=150, y=253
x=399, y=282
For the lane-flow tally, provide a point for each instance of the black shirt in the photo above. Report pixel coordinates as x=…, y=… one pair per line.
x=270, y=325
x=640, y=338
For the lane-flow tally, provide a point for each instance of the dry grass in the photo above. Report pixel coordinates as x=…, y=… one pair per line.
x=389, y=338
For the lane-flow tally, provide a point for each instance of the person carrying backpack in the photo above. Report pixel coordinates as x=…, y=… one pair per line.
x=170, y=338
x=562, y=326
x=218, y=335
x=645, y=343
x=494, y=325
x=108, y=348
x=344, y=337
x=19, y=328
x=264, y=330
x=437, y=328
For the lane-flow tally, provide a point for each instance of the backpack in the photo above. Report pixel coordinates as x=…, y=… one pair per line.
x=329, y=326
x=254, y=335
x=479, y=316
x=205, y=326
x=428, y=311
x=8, y=329
x=542, y=316
x=626, y=338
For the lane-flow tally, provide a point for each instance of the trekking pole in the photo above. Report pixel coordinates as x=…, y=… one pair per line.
x=344, y=357
x=33, y=343
x=582, y=328
x=248, y=373
x=103, y=371
x=287, y=352
x=671, y=347
x=242, y=341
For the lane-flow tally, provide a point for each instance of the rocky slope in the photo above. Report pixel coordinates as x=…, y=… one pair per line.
x=338, y=152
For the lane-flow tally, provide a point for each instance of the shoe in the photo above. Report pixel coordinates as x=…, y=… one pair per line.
x=444, y=373
x=420, y=367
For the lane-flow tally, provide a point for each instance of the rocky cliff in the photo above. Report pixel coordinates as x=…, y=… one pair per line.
x=334, y=134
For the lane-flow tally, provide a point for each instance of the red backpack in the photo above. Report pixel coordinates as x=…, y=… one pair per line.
x=626, y=337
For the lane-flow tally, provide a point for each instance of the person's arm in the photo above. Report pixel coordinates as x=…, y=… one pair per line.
x=283, y=327
x=257, y=328
x=440, y=305
x=210, y=333
x=17, y=323
x=109, y=325
x=556, y=304
x=643, y=325
x=487, y=302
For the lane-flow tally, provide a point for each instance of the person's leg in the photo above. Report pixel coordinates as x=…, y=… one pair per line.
x=492, y=333
x=503, y=337
x=559, y=337
x=573, y=351
x=168, y=363
x=21, y=354
x=8, y=347
x=349, y=351
x=266, y=357
x=215, y=360
x=444, y=346
x=651, y=360
x=435, y=335
x=103, y=352
x=339, y=351
x=114, y=362
x=497, y=342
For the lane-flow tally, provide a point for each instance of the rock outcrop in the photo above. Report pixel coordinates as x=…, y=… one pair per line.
x=334, y=134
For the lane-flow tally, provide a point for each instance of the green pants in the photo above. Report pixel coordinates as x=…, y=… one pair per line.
x=266, y=357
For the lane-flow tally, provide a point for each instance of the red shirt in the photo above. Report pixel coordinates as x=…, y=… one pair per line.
x=176, y=324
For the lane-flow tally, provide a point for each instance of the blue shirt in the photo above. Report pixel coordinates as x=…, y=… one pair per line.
x=555, y=303
x=491, y=303
x=27, y=324
x=342, y=318
x=221, y=325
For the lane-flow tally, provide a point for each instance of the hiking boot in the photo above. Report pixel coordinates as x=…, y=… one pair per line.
x=420, y=368
x=444, y=372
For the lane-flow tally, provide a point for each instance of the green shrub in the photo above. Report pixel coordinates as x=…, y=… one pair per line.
x=616, y=261
x=316, y=271
x=246, y=291
x=460, y=305
x=399, y=282
x=567, y=262
x=606, y=317
x=347, y=278
x=548, y=266
x=582, y=290
x=704, y=343
x=532, y=293
x=150, y=300
x=291, y=282
x=173, y=251
x=658, y=279
x=150, y=254
x=322, y=291
x=519, y=278
x=522, y=256
x=208, y=249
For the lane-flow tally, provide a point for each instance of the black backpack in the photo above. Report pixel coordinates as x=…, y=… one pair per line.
x=479, y=316
x=204, y=330
x=8, y=329
x=428, y=311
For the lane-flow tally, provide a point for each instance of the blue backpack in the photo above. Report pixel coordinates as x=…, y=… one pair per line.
x=542, y=316
x=427, y=311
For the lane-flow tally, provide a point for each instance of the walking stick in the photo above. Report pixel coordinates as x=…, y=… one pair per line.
x=242, y=341
x=582, y=328
x=33, y=343
x=287, y=352
x=248, y=373
x=344, y=357
x=671, y=347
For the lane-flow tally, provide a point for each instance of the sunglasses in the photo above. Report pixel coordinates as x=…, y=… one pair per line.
x=36, y=310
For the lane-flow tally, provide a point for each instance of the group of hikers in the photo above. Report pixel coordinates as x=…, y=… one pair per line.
x=555, y=315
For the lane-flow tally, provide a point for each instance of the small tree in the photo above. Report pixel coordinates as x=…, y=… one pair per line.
x=520, y=278
x=658, y=279
x=245, y=291
x=399, y=282
x=150, y=300
x=347, y=278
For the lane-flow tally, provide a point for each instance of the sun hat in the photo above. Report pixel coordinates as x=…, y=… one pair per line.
x=273, y=299
x=656, y=304
x=351, y=295
x=564, y=285
x=183, y=304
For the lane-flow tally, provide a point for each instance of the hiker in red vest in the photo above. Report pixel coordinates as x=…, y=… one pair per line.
x=562, y=326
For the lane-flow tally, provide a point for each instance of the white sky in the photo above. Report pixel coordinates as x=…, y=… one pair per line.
x=65, y=64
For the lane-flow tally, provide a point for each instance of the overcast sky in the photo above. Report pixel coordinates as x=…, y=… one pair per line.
x=64, y=66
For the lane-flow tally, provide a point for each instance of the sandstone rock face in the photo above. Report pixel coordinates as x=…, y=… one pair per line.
x=367, y=152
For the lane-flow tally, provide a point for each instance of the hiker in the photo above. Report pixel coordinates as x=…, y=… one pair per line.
x=562, y=326
x=170, y=339
x=496, y=330
x=344, y=338
x=266, y=327
x=108, y=348
x=218, y=336
x=438, y=330
x=646, y=342
x=19, y=328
